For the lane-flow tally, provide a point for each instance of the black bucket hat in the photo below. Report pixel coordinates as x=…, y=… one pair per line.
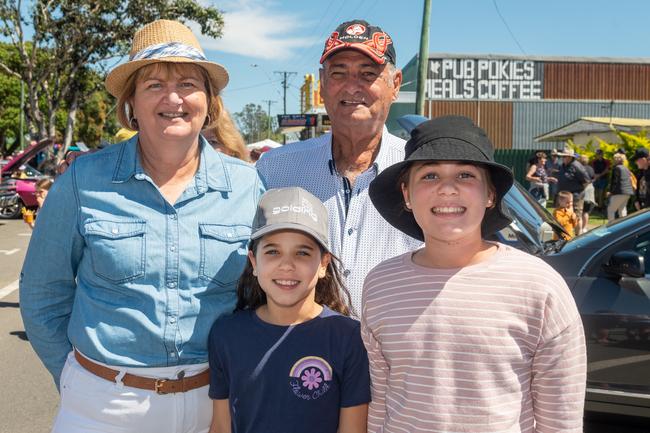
x=448, y=138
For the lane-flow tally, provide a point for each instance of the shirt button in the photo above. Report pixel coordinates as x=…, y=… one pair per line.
x=172, y=320
x=172, y=354
x=350, y=231
x=346, y=272
x=173, y=216
x=172, y=248
x=115, y=231
x=172, y=284
x=139, y=176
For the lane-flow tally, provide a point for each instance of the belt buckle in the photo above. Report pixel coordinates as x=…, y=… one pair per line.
x=158, y=386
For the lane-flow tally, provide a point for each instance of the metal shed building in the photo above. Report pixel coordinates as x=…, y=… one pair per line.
x=516, y=98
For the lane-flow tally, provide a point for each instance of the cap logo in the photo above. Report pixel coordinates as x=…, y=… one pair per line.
x=379, y=43
x=355, y=29
x=305, y=208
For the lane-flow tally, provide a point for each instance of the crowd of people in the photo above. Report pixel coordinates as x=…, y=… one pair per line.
x=341, y=284
x=601, y=185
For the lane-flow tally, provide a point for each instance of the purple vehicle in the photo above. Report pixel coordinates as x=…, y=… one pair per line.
x=17, y=182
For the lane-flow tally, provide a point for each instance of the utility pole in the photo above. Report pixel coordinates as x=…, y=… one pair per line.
x=268, y=115
x=423, y=59
x=285, y=84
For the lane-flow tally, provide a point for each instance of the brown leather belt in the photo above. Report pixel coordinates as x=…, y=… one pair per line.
x=160, y=386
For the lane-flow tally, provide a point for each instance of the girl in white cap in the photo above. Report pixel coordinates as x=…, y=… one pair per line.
x=289, y=360
x=465, y=334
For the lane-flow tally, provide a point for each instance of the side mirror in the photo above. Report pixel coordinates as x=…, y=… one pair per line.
x=626, y=263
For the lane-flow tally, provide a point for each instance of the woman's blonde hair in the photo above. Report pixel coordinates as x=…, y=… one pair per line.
x=619, y=158
x=217, y=116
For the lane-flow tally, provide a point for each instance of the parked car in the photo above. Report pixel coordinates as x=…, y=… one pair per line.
x=607, y=272
x=17, y=182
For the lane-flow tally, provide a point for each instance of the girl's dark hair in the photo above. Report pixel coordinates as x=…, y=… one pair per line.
x=330, y=290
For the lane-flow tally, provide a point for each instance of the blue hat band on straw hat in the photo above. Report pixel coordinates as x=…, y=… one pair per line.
x=169, y=49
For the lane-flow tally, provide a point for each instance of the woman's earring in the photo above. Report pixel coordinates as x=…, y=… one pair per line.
x=254, y=273
x=407, y=206
x=133, y=123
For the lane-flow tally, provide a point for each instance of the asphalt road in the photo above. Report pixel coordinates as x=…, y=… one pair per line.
x=28, y=397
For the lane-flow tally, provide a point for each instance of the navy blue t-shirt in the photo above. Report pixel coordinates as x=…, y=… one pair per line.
x=284, y=379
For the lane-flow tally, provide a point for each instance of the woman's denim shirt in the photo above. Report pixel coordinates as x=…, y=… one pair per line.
x=128, y=279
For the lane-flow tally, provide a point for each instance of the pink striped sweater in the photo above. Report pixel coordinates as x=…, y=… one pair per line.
x=493, y=347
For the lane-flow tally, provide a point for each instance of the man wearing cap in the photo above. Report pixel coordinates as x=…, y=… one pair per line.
x=642, y=199
x=572, y=177
x=359, y=82
x=601, y=175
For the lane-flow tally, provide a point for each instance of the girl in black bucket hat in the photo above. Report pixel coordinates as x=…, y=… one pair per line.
x=465, y=334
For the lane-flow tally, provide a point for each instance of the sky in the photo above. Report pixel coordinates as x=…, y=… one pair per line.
x=264, y=37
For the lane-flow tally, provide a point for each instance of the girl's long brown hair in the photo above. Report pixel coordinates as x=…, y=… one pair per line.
x=330, y=290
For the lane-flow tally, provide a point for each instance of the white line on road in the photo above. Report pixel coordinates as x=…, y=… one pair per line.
x=9, y=252
x=8, y=290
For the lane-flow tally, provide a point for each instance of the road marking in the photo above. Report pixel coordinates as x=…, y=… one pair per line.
x=8, y=290
x=9, y=252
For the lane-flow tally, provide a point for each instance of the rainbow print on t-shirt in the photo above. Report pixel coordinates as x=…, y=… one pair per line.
x=309, y=377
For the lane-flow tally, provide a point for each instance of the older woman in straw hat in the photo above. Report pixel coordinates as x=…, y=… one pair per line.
x=139, y=247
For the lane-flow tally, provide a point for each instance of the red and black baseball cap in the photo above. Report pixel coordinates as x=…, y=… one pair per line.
x=361, y=36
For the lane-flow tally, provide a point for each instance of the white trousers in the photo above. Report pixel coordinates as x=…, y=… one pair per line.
x=92, y=404
x=617, y=203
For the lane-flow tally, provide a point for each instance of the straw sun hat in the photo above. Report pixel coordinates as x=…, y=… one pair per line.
x=164, y=41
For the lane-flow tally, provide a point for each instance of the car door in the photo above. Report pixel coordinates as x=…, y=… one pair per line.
x=616, y=317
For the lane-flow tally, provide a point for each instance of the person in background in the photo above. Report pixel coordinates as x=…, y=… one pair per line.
x=42, y=188
x=642, y=195
x=257, y=152
x=464, y=334
x=600, y=166
x=590, y=195
x=232, y=145
x=552, y=169
x=289, y=339
x=573, y=177
x=565, y=215
x=359, y=82
x=539, y=179
x=138, y=249
x=620, y=188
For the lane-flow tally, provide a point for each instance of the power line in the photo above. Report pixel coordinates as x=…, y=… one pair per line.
x=508, y=27
x=285, y=84
x=254, y=85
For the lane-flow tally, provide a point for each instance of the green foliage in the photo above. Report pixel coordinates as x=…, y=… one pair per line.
x=253, y=122
x=629, y=143
x=73, y=43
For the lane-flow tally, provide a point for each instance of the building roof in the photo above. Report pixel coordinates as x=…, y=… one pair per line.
x=559, y=59
x=593, y=125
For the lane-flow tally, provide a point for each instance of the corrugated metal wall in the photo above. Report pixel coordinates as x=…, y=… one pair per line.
x=533, y=118
x=630, y=82
x=571, y=89
x=494, y=117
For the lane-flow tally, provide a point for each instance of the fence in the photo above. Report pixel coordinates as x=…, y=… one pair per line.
x=517, y=160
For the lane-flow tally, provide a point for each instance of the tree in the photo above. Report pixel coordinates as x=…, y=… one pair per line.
x=74, y=38
x=253, y=122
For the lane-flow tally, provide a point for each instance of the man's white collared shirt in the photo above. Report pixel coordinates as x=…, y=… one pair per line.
x=358, y=234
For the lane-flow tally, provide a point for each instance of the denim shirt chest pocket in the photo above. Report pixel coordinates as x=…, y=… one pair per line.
x=117, y=248
x=223, y=252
